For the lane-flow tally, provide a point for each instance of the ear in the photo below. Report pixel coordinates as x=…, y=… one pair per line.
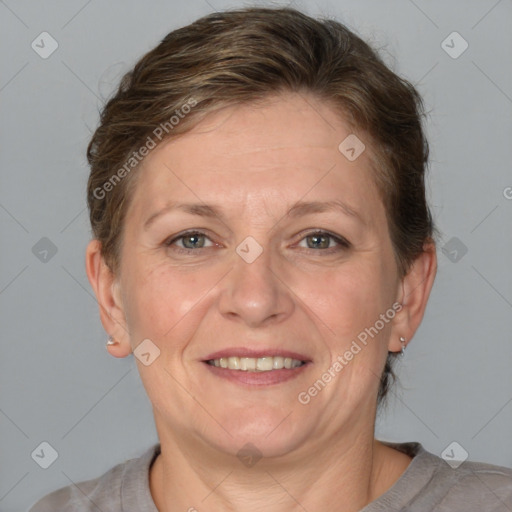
x=414, y=292
x=107, y=290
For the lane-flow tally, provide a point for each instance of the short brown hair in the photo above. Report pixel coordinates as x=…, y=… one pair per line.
x=241, y=56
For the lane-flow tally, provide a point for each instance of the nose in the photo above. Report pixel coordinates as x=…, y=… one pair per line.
x=256, y=293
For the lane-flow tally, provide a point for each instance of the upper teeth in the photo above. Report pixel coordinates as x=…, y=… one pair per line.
x=261, y=364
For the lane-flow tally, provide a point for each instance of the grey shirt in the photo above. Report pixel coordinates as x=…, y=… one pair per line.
x=428, y=484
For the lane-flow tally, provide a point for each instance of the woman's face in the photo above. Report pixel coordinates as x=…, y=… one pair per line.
x=288, y=254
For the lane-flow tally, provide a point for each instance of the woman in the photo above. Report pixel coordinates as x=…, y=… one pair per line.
x=263, y=246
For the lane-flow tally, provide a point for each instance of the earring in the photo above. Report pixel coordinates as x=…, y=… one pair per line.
x=110, y=341
x=402, y=341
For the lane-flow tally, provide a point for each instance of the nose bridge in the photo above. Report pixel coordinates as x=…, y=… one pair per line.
x=253, y=292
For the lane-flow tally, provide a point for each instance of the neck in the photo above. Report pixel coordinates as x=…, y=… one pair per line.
x=351, y=471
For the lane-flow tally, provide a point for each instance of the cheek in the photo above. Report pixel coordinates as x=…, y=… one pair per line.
x=357, y=295
x=348, y=298
x=162, y=300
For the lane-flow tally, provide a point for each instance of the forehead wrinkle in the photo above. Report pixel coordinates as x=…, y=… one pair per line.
x=299, y=209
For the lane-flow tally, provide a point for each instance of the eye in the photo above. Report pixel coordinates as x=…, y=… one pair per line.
x=323, y=240
x=189, y=241
x=193, y=240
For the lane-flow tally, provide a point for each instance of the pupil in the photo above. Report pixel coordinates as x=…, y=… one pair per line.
x=320, y=241
x=192, y=240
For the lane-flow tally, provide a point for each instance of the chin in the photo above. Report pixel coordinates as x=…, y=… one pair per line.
x=267, y=434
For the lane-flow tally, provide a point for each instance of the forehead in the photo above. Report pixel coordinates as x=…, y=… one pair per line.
x=278, y=151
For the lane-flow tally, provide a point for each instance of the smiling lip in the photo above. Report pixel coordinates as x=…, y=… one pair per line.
x=256, y=378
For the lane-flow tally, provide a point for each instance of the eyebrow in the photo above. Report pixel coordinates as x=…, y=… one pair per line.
x=297, y=210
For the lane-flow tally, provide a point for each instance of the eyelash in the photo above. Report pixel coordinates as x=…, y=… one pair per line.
x=342, y=242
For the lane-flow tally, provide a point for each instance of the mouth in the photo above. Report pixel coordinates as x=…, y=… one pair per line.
x=256, y=364
x=251, y=368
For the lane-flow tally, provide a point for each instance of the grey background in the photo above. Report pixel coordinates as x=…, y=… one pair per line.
x=58, y=384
